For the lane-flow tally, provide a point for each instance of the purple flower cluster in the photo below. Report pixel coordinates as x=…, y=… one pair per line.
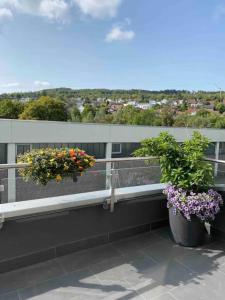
x=204, y=205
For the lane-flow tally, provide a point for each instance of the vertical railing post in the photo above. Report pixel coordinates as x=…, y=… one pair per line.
x=108, y=155
x=11, y=159
x=217, y=154
x=113, y=186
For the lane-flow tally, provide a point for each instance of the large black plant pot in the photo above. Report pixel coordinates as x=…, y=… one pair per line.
x=186, y=233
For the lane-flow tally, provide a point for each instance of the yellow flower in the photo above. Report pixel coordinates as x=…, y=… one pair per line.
x=58, y=178
x=66, y=167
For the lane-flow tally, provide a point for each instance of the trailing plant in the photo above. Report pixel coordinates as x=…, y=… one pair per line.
x=54, y=164
x=203, y=205
x=182, y=164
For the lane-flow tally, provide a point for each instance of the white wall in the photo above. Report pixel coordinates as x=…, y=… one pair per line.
x=18, y=131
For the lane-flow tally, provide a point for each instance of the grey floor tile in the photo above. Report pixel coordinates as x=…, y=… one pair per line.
x=10, y=296
x=205, y=259
x=86, y=258
x=163, y=232
x=64, y=287
x=165, y=296
x=133, y=246
x=79, y=285
x=215, y=281
x=196, y=291
x=160, y=278
x=28, y=276
x=121, y=269
x=165, y=251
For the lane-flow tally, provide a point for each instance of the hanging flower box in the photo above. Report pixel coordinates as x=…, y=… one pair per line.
x=54, y=164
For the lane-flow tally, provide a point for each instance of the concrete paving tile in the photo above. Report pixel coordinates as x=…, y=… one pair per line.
x=159, y=279
x=165, y=251
x=86, y=258
x=28, y=276
x=196, y=291
x=10, y=296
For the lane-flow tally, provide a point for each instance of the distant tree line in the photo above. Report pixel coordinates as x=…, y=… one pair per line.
x=139, y=95
x=56, y=109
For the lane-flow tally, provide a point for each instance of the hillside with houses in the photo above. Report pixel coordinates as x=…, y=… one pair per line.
x=136, y=107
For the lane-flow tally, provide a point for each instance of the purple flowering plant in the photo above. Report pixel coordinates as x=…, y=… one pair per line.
x=189, y=177
x=203, y=205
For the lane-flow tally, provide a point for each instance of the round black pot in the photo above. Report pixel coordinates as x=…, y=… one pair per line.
x=186, y=233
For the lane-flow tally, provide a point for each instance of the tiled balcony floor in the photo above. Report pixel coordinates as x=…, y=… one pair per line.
x=149, y=266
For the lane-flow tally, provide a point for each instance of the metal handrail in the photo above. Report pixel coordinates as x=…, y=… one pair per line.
x=215, y=160
x=102, y=160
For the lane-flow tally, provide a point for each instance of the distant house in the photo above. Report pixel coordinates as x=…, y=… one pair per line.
x=143, y=106
x=114, y=107
x=192, y=111
x=164, y=101
x=131, y=102
x=152, y=103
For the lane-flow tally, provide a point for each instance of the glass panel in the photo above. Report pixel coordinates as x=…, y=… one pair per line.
x=93, y=180
x=134, y=173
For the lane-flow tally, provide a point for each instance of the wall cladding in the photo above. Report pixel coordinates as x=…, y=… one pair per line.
x=32, y=240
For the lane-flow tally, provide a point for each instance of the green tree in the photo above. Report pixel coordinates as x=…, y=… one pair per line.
x=45, y=108
x=125, y=115
x=146, y=117
x=100, y=116
x=88, y=112
x=88, y=118
x=167, y=116
x=10, y=109
x=75, y=115
x=220, y=107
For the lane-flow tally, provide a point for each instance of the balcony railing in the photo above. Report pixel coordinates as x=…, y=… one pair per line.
x=110, y=181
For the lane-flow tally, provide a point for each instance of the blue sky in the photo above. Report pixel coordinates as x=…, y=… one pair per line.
x=124, y=44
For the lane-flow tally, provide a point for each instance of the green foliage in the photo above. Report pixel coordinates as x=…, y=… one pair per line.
x=220, y=107
x=75, y=115
x=182, y=165
x=10, y=109
x=54, y=164
x=167, y=116
x=45, y=108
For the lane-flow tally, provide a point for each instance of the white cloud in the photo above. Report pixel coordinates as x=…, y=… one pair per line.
x=54, y=9
x=10, y=85
x=5, y=14
x=51, y=9
x=99, y=8
x=117, y=33
x=41, y=83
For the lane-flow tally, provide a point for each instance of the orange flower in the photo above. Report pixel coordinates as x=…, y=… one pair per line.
x=72, y=152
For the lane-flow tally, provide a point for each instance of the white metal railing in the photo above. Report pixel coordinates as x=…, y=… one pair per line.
x=103, y=160
x=106, y=197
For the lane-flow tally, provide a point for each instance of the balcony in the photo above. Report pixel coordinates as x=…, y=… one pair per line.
x=147, y=266
x=111, y=242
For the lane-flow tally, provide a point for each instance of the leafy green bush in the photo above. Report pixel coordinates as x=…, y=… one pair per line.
x=182, y=164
